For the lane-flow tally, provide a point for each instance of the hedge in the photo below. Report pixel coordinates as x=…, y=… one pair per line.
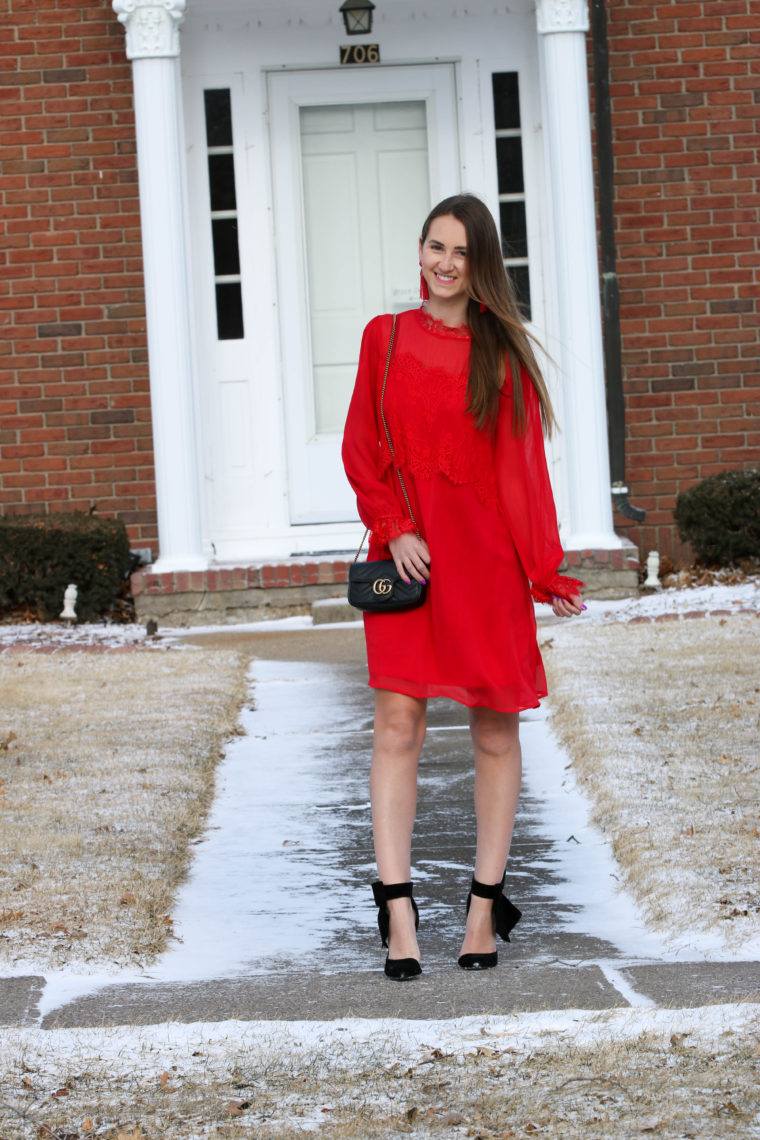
x=41, y=554
x=720, y=517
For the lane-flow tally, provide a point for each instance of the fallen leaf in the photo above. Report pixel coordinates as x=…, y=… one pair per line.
x=237, y=1107
x=162, y=1080
x=127, y=898
x=61, y=1092
x=88, y=1124
x=27, y=1082
x=411, y=1114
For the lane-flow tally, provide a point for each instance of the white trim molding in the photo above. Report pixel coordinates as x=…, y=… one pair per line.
x=152, y=28
x=561, y=16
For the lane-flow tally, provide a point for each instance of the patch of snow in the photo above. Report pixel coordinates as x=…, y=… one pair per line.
x=349, y=1043
x=589, y=882
x=708, y=599
x=105, y=635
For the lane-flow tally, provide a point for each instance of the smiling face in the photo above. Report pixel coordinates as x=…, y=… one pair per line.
x=443, y=259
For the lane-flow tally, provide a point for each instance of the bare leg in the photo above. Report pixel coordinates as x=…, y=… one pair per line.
x=398, y=738
x=498, y=771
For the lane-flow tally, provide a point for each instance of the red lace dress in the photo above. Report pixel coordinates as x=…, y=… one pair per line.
x=483, y=504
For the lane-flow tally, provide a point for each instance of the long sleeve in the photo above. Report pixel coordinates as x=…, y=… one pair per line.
x=379, y=508
x=526, y=497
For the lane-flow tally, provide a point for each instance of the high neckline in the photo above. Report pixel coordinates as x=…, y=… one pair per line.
x=436, y=326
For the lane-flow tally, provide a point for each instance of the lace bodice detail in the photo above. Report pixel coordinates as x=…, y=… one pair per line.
x=431, y=431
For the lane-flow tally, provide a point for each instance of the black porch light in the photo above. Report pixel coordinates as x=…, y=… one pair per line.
x=357, y=16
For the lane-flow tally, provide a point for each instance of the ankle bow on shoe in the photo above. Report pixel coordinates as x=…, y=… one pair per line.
x=399, y=969
x=504, y=917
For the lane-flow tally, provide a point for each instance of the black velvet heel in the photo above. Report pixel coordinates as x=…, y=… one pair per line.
x=400, y=969
x=504, y=916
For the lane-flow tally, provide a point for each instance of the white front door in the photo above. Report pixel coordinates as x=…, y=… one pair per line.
x=358, y=159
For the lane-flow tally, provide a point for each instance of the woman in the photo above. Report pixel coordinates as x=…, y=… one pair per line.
x=465, y=405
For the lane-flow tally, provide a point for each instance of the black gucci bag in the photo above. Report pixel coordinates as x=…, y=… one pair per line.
x=377, y=587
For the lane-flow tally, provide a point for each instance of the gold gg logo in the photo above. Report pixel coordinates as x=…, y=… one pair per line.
x=382, y=586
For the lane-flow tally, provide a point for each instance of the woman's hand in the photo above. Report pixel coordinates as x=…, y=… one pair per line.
x=411, y=556
x=564, y=607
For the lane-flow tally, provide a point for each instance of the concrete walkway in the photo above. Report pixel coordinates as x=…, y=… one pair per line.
x=277, y=919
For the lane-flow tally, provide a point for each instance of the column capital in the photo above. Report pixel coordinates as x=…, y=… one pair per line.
x=152, y=27
x=561, y=16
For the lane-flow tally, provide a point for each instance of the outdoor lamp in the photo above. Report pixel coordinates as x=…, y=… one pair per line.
x=357, y=16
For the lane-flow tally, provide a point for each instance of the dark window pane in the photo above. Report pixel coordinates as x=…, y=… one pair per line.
x=521, y=283
x=229, y=311
x=226, y=254
x=514, y=236
x=506, y=102
x=509, y=165
x=221, y=180
x=218, y=118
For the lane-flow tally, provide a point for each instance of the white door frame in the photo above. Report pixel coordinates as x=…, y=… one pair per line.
x=313, y=460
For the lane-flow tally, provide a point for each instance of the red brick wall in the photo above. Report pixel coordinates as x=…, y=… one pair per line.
x=685, y=92
x=74, y=403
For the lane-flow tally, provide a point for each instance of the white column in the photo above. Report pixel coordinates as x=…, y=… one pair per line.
x=153, y=46
x=562, y=27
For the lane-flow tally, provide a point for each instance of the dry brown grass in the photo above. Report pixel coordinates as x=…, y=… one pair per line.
x=672, y=1082
x=107, y=762
x=662, y=722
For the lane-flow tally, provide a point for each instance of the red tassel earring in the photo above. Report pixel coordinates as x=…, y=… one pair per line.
x=483, y=307
x=424, y=291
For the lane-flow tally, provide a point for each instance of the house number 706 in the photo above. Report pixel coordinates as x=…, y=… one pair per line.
x=360, y=53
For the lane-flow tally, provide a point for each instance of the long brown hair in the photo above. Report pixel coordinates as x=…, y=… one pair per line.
x=498, y=334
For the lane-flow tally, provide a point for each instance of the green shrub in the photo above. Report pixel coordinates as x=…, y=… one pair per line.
x=41, y=554
x=720, y=517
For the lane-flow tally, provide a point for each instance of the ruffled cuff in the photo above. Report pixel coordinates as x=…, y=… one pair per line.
x=385, y=529
x=559, y=586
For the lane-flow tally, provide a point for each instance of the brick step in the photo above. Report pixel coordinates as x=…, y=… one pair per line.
x=225, y=594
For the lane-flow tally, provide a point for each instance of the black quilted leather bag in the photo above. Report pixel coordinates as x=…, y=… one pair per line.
x=378, y=588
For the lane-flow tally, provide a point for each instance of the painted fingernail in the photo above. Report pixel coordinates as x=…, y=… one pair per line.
x=584, y=607
x=408, y=581
x=424, y=583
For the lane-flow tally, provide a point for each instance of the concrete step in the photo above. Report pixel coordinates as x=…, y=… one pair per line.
x=328, y=610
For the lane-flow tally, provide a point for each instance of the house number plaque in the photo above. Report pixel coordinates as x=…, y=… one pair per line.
x=360, y=53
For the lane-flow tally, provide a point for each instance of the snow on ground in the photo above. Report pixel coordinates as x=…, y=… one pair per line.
x=348, y=1042
x=695, y=599
x=56, y=635
x=589, y=890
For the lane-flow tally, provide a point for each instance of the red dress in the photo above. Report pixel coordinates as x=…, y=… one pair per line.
x=484, y=505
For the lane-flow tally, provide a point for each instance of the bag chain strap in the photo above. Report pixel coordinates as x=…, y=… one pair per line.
x=390, y=444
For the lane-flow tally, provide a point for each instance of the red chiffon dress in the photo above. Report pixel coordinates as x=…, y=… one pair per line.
x=483, y=504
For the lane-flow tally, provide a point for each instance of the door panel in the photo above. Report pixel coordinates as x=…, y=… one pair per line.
x=365, y=184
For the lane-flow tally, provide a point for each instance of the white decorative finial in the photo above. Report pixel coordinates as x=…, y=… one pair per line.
x=653, y=571
x=69, y=613
x=152, y=26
